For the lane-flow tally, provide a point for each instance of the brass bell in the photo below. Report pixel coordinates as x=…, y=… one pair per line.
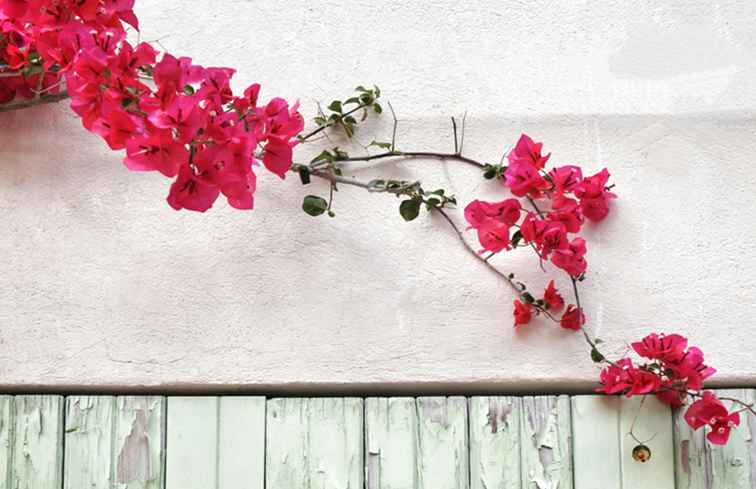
x=642, y=453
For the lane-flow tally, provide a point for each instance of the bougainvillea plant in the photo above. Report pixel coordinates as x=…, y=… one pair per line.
x=184, y=121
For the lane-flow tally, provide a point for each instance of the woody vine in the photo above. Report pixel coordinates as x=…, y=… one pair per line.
x=185, y=122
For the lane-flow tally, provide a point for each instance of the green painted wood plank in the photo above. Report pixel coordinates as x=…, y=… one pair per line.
x=701, y=465
x=138, y=448
x=114, y=442
x=38, y=442
x=391, y=442
x=596, y=445
x=241, y=445
x=495, y=442
x=314, y=443
x=6, y=440
x=88, y=442
x=215, y=443
x=443, y=455
x=651, y=423
x=192, y=443
x=546, y=442
x=601, y=431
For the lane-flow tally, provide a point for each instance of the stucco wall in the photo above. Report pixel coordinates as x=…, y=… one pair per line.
x=103, y=285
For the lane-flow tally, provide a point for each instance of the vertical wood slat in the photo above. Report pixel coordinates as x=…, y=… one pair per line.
x=391, y=442
x=417, y=443
x=701, y=465
x=443, y=439
x=546, y=443
x=603, y=446
x=215, y=443
x=314, y=443
x=37, y=460
x=114, y=442
x=495, y=426
x=6, y=440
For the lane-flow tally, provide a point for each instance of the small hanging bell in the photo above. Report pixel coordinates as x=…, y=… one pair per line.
x=642, y=453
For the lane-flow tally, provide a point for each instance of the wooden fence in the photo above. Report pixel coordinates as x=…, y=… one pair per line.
x=545, y=442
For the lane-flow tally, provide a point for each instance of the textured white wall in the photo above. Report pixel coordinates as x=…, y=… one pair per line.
x=103, y=285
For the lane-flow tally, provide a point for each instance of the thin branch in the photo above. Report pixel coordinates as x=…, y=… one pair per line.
x=416, y=154
x=456, y=143
x=535, y=207
x=396, y=123
x=45, y=99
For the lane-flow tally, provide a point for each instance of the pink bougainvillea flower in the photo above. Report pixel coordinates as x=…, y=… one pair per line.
x=523, y=179
x=691, y=368
x=116, y=128
x=478, y=212
x=528, y=151
x=643, y=382
x=567, y=211
x=532, y=229
x=278, y=156
x=566, y=178
x=523, y=313
x=572, y=258
x=594, y=197
x=552, y=297
x=190, y=192
x=553, y=238
x=672, y=394
x=615, y=378
x=14, y=8
x=573, y=318
x=667, y=348
x=709, y=411
x=493, y=236
x=156, y=151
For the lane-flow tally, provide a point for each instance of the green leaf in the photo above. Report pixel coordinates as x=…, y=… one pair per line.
x=410, y=209
x=516, y=238
x=304, y=175
x=377, y=108
x=314, y=205
x=596, y=356
x=528, y=297
x=320, y=121
x=432, y=202
x=360, y=88
x=336, y=106
x=352, y=100
x=380, y=144
x=325, y=155
x=350, y=120
x=188, y=89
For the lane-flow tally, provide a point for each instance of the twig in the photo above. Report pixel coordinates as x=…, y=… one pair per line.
x=45, y=99
x=416, y=154
x=329, y=124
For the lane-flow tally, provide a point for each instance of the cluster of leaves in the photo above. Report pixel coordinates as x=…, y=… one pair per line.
x=340, y=113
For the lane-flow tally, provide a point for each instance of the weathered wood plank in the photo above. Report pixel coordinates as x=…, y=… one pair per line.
x=138, y=449
x=38, y=443
x=314, y=443
x=650, y=422
x=595, y=442
x=391, y=441
x=495, y=442
x=215, y=443
x=192, y=443
x=88, y=442
x=546, y=443
x=6, y=440
x=443, y=461
x=241, y=444
x=602, y=427
x=701, y=465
